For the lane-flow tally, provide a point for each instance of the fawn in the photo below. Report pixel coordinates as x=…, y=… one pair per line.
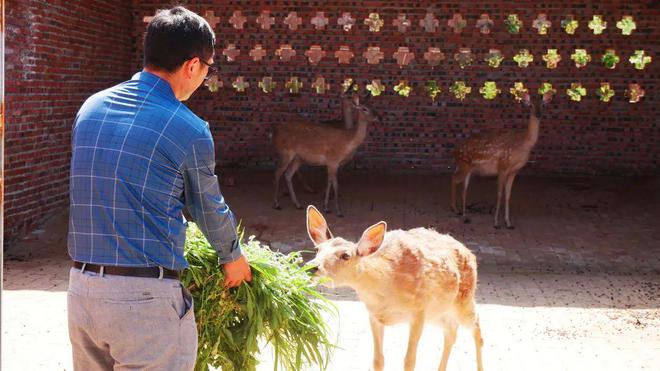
x=415, y=276
x=496, y=154
x=317, y=144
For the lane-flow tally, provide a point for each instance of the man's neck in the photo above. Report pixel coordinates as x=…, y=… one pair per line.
x=169, y=78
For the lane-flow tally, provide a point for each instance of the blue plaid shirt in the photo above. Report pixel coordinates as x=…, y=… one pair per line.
x=139, y=157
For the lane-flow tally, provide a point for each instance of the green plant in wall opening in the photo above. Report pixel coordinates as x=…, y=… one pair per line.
x=460, y=89
x=523, y=58
x=294, y=85
x=432, y=89
x=519, y=91
x=639, y=59
x=403, y=88
x=376, y=88
x=494, y=58
x=627, y=25
x=605, y=92
x=347, y=84
x=240, y=84
x=267, y=84
x=489, y=90
x=634, y=93
x=546, y=89
x=610, y=59
x=281, y=307
x=552, y=58
x=570, y=24
x=576, y=92
x=513, y=23
x=213, y=83
x=597, y=24
x=581, y=57
x=542, y=24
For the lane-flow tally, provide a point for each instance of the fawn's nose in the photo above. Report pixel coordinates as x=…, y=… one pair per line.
x=313, y=269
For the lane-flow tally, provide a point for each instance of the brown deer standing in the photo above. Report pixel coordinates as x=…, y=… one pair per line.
x=317, y=144
x=417, y=276
x=347, y=123
x=496, y=154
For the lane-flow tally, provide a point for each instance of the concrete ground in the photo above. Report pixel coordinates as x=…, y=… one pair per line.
x=575, y=286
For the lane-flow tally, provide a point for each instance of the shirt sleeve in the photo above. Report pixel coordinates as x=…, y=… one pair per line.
x=205, y=202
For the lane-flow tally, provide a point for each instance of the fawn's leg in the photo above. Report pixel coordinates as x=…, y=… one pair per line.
x=501, y=180
x=288, y=175
x=507, y=199
x=377, y=330
x=285, y=160
x=416, y=327
x=450, y=338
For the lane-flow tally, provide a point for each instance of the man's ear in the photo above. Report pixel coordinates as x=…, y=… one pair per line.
x=317, y=227
x=372, y=239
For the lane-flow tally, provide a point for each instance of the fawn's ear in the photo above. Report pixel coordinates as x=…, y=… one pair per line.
x=371, y=239
x=317, y=227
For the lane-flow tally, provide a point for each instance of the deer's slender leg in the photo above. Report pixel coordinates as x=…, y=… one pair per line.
x=335, y=186
x=507, y=199
x=293, y=167
x=457, y=178
x=450, y=339
x=327, y=192
x=416, y=327
x=501, y=180
x=378, y=331
x=466, y=183
x=285, y=160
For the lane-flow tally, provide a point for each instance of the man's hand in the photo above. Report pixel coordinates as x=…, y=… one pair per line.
x=237, y=272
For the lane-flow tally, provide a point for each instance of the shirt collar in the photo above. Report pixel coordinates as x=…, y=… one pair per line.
x=159, y=84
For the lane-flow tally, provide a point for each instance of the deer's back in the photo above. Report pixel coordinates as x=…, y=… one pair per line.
x=420, y=268
x=489, y=152
x=314, y=143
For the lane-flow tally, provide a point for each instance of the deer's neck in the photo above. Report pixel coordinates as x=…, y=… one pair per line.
x=359, y=132
x=347, y=110
x=532, y=129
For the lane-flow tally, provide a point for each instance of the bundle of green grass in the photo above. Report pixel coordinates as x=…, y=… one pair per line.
x=280, y=307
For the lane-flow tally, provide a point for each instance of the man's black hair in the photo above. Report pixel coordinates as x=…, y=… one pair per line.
x=174, y=36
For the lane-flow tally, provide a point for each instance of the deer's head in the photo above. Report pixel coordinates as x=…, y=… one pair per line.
x=337, y=258
x=364, y=112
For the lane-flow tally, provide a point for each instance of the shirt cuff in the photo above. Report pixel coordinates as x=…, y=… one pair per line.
x=233, y=255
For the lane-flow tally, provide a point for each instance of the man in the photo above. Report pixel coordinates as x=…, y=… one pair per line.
x=139, y=158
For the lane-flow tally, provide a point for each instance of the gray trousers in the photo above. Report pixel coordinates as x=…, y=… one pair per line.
x=130, y=323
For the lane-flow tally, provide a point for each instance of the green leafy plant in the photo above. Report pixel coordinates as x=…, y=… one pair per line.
x=627, y=25
x=267, y=84
x=346, y=84
x=597, y=25
x=576, y=92
x=294, y=85
x=376, y=88
x=552, y=58
x=605, y=92
x=570, y=24
x=432, y=89
x=519, y=91
x=460, y=89
x=213, y=83
x=489, y=90
x=513, y=23
x=546, y=88
x=403, y=88
x=494, y=58
x=523, y=58
x=639, y=59
x=280, y=307
x=610, y=59
x=581, y=57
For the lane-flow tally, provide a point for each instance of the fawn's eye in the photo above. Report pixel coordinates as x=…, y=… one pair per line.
x=345, y=256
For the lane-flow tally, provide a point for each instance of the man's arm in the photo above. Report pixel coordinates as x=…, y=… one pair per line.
x=205, y=202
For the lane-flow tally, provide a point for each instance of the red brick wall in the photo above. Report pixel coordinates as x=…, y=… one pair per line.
x=57, y=54
x=588, y=137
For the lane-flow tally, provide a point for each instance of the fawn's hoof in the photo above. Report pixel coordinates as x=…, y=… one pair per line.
x=510, y=227
x=340, y=214
x=497, y=226
x=467, y=221
x=298, y=207
x=277, y=207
